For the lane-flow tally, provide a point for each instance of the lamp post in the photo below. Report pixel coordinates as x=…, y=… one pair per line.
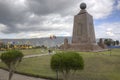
x=110, y=51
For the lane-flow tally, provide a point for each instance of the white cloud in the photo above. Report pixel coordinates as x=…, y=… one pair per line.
x=110, y=33
x=100, y=8
x=97, y=8
x=108, y=30
x=39, y=34
x=118, y=5
x=2, y=27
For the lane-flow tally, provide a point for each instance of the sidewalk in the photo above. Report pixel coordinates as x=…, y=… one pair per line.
x=37, y=55
x=4, y=76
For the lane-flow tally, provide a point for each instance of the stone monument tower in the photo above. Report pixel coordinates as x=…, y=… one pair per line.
x=83, y=28
x=83, y=38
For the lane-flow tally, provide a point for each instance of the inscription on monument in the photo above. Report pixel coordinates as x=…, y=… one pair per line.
x=79, y=30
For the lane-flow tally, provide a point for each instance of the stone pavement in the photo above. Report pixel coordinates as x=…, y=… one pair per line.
x=4, y=76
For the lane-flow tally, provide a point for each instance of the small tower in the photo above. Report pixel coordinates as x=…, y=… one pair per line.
x=102, y=44
x=66, y=44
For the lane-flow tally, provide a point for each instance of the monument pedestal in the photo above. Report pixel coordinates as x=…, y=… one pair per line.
x=85, y=47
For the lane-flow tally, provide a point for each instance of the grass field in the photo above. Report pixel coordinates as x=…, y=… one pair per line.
x=98, y=66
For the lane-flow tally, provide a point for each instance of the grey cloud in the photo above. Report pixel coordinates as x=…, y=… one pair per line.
x=11, y=14
x=43, y=7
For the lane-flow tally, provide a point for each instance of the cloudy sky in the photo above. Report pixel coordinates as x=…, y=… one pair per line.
x=42, y=18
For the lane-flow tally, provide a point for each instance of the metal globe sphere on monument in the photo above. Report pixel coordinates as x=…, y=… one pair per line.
x=83, y=6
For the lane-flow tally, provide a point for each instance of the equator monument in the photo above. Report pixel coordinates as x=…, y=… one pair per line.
x=83, y=37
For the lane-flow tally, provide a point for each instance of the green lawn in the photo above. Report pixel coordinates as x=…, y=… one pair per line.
x=98, y=66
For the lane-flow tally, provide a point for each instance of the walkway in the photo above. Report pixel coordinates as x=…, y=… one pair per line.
x=4, y=76
x=37, y=55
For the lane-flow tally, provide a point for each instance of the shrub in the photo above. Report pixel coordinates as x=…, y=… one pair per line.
x=66, y=62
x=11, y=59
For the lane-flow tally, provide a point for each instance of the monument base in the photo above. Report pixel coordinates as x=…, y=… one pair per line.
x=82, y=47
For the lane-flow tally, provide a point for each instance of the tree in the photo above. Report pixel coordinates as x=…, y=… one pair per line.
x=66, y=62
x=2, y=45
x=11, y=58
x=114, y=43
x=108, y=42
x=117, y=42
